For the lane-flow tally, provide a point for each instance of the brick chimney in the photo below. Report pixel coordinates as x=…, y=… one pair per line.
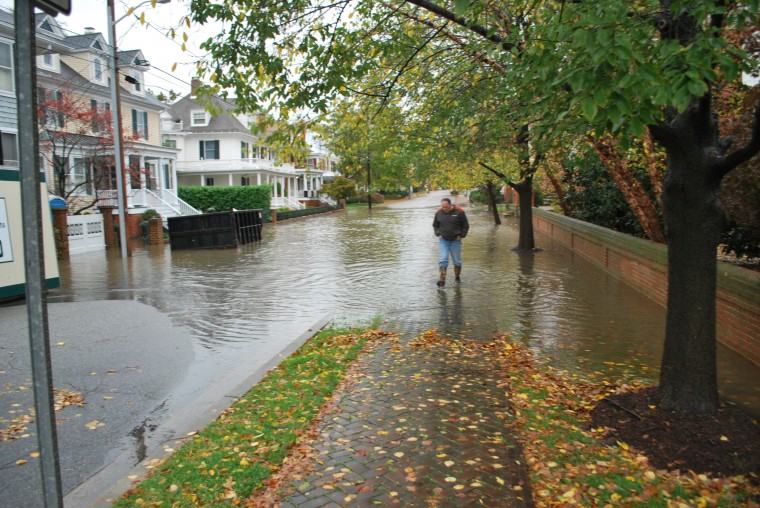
x=194, y=85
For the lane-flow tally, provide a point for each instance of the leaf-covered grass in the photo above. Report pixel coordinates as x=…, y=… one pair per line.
x=233, y=456
x=570, y=466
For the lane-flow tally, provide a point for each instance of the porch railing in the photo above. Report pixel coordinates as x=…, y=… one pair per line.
x=279, y=201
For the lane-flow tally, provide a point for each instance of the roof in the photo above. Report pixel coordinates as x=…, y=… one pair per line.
x=220, y=122
x=70, y=79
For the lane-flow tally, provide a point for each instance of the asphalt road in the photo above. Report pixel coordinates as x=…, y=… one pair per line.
x=123, y=357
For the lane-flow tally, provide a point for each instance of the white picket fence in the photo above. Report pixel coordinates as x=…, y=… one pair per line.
x=86, y=233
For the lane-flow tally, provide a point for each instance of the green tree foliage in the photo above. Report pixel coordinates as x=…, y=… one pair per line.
x=226, y=198
x=340, y=188
x=525, y=73
x=593, y=196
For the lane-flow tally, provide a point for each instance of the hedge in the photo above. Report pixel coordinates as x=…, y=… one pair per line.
x=220, y=199
x=291, y=214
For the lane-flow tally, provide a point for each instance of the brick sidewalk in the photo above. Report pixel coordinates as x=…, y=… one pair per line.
x=426, y=423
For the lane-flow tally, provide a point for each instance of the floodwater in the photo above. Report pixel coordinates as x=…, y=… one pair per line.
x=358, y=265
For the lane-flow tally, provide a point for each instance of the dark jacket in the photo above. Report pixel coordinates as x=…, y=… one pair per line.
x=452, y=224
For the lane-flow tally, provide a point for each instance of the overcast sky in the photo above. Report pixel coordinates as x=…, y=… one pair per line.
x=161, y=52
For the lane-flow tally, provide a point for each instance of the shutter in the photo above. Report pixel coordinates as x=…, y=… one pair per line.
x=216, y=149
x=202, y=155
x=93, y=104
x=145, y=119
x=134, y=120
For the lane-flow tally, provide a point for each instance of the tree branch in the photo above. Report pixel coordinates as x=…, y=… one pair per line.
x=502, y=176
x=402, y=69
x=478, y=29
x=744, y=153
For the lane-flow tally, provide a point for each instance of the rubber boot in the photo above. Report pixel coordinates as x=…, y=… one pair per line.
x=442, y=280
x=457, y=272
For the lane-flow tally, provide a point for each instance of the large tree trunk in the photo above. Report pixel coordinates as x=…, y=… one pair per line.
x=525, y=192
x=492, y=203
x=642, y=207
x=694, y=220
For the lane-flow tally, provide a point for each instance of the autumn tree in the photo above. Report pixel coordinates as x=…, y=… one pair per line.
x=76, y=141
x=658, y=71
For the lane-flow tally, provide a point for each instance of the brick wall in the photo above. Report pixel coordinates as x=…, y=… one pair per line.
x=643, y=265
x=155, y=231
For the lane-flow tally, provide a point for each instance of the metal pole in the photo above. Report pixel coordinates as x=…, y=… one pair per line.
x=34, y=259
x=121, y=185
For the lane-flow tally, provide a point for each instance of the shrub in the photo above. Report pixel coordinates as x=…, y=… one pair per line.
x=376, y=198
x=220, y=199
x=340, y=188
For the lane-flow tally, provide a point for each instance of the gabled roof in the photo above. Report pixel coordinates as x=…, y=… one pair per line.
x=130, y=58
x=53, y=41
x=225, y=121
x=71, y=79
x=47, y=23
x=87, y=42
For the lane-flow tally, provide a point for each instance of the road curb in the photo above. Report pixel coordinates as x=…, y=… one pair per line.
x=110, y=482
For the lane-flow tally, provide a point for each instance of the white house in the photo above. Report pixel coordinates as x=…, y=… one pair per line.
x=220, y=150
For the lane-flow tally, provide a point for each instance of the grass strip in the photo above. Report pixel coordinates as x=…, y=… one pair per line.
x=570, y=466
x=232, y=457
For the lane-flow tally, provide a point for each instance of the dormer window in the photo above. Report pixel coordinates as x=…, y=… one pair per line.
x=200, y=118
x=97, y=45
x=48, y=61
x=46, y=26
x=137, y=77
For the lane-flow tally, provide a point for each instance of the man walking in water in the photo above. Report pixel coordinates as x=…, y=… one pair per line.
x=450, y=226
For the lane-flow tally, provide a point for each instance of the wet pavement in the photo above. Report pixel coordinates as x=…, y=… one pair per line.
x=238, y=308
x=426, y=425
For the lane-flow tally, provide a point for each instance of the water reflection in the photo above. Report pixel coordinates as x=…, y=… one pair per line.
x=354, y=266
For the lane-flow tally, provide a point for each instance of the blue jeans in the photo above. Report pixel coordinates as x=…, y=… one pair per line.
x=452, y=248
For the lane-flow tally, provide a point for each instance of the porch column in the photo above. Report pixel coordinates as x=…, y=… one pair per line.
x=230, y=180
x=160, y=184
x=142, y=172
x=258, y=178
x=203, y=180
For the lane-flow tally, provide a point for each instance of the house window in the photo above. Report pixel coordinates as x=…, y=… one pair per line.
x=78, y=180
x=137, y=77
x=8, y=149
x=263, y=152
x=97, y=69
x=199, y=119
x=47, y=61
x=209, y=182
x=140, y=123
x=6, y=67
x=245, y=150
x=209, y=149
x=51, y=106
x=245, y=180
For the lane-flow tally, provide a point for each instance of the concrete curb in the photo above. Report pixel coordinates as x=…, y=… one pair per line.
x=110, y=482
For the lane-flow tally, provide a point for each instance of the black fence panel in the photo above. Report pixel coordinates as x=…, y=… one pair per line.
x=215, y=230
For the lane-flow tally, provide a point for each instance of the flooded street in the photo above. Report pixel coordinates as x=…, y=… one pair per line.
x=353, y=266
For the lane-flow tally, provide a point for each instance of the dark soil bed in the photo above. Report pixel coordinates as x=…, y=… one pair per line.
x=725, y=444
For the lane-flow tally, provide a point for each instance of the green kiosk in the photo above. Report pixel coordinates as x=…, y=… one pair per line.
x=12, y=283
